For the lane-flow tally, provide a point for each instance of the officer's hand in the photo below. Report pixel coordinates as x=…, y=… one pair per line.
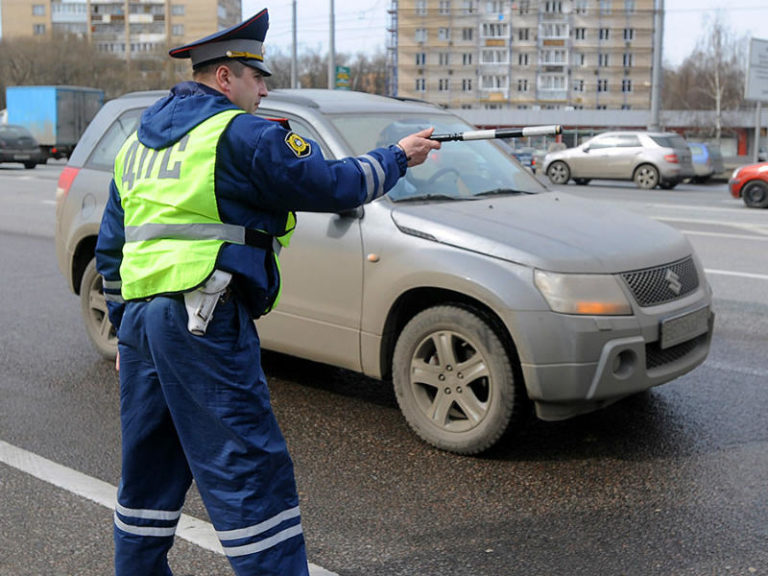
x=418, y=146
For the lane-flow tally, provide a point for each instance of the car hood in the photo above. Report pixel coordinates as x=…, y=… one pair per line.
x=550, y=231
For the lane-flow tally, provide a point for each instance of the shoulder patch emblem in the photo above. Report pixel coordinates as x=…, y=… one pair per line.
x=298, y=145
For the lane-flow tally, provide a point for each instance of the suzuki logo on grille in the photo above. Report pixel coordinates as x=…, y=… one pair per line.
x=673, y=282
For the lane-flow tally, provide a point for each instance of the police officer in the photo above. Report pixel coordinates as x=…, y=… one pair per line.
x=202, y=197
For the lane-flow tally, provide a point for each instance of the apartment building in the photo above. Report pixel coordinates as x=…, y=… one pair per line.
x=519, y=54
x=125, y=28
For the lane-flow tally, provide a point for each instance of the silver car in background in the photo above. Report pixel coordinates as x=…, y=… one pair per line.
x=473, y=289
x=650, y=159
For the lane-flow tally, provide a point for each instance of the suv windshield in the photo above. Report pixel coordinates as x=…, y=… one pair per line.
x=459, y=170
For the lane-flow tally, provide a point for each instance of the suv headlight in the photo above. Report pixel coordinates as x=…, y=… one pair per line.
x=588, y=294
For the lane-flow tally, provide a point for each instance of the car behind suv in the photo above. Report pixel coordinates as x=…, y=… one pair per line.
x=650, y=159
x=470, y=286
x=751, y=184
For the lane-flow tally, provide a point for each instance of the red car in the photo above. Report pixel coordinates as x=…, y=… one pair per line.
x=751, y=183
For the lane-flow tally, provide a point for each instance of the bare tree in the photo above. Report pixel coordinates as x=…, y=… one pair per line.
x=712, y=77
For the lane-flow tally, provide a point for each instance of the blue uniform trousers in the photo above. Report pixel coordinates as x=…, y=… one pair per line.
x=198, y=407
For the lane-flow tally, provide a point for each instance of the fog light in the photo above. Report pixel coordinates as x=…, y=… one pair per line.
x=624, y=364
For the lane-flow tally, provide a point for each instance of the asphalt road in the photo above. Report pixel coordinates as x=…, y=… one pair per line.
x=672, y=482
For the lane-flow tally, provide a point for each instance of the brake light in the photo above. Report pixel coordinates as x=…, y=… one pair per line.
x=671, y=158
x=66, y=178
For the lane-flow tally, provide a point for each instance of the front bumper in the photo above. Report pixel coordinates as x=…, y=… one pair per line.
x=591, y=362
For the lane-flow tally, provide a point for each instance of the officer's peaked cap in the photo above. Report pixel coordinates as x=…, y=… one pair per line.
x=243, y=42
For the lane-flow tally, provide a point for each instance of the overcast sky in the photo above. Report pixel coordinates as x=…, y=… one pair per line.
x=361, y=24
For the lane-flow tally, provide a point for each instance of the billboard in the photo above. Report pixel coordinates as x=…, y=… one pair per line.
x=756, y=87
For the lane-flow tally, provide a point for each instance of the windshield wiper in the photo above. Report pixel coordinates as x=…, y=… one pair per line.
x=497, y=191
x=429, y=197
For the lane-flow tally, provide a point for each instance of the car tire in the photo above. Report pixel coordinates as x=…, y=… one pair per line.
x=755, y=194
x=582, y=181
x=668, y=185
x=558, y=172
x=93, y=307
x=30, y=165
x=447, y=407
x=646, y=176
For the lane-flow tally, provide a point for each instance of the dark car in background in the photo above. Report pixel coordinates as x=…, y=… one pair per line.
x=751, y=184
x=472, y=288
x=707, y=160
x=18, y=145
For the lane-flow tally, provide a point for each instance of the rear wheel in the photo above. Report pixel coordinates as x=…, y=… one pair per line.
x=558, y=172
x=93, y=308
x=755, y=195
x=30, y=165
x=668, y=185
x=454, y=380
x=646, y=176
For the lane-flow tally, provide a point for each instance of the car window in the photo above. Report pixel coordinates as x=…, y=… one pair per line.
x=602, y=142
x=301, y=127
x=14, y=132
x=458, y=170
x=696, y=149
x=628, y=141
x=103, y=155
x=670, y=141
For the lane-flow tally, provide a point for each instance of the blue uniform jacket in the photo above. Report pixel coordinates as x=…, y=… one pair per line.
x=259, y=178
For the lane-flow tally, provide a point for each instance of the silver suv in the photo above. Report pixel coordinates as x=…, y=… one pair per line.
x=471, y=287
x=649, y=158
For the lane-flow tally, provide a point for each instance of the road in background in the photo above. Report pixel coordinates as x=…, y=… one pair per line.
x=668, y=482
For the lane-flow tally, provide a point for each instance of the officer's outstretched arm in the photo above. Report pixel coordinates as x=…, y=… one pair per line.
x=418, y=146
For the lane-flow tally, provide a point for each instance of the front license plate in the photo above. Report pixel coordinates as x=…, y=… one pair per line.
x=683, y=328
x=21, y=156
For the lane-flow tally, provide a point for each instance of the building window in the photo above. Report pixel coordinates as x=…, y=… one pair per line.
x=38, y=9
x=177, y=29
x=580, y=59
x=494, y=30
x=421, y=58
x=552, y=82
x=522, y=34
x=602, y=60
x=602, y=85
x=445, y=7
x=578, y=85
x=469, y=7
x=522, y=85
x=421, y=34
x=177, y=9
x=444, y=58
x=553, y=57
x=522, y=59
x=580, y=33
x=626, y=85
x=421, y=7
x=466, y=58
x=467, y=34
x=629, y=6
x=494, y=6
x=554, y=30
x=627, y=60
x=444, y=34
x=491, y=56
x=466, y=85
x=580, y=6
x=442, y=84
x=601, y=107
x=38, y=29
x=421, y=85
x=605, y=33
x=553, y=6
x=525, y=7
x=605, y=7
x=629, y=34
x=626, y=107
x=493, y=82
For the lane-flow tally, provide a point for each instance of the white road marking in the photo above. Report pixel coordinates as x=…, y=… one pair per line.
x=738, y=274
x=194, y=530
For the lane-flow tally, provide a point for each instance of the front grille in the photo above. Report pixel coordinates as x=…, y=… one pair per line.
x=654, y=286
x=655, y=356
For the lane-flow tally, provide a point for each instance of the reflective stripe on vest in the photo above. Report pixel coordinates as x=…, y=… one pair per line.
x=173, y=231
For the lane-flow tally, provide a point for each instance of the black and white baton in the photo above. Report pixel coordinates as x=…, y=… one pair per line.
x=499, y=133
